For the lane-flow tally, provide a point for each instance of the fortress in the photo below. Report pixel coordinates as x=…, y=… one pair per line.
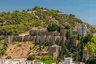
x=40, y=35
x=43, y=36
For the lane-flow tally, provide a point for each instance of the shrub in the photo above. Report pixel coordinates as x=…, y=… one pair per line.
x=2, y=50
x=91, y=61
x=76, y=56
x=31, y=57
x=31, y=48
x=1, y=37
x=19, y=45
x=67, y=27
x=8, y=57
x=48, y=59
x=53, y=27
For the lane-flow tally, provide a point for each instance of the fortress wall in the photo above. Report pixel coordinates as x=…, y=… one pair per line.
x=42, y=36
x=62, y=32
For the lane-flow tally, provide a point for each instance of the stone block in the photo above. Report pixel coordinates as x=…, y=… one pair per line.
x=62, y=32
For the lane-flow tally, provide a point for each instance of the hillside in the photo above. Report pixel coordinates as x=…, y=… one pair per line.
x=29, y=34
x=18, y=50
x=16, y=22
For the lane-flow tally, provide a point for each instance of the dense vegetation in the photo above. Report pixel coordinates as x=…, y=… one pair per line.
x=16, y=22
x=91, y=47
x=48, y=59
x=31, y=57
x=2, y=47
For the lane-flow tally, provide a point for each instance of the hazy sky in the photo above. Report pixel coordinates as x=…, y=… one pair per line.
x=83, y=9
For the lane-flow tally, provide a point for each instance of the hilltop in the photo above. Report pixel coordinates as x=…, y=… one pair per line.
x=17, y=22
x=32, y=33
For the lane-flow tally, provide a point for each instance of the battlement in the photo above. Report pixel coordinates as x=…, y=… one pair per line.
x=40, y=35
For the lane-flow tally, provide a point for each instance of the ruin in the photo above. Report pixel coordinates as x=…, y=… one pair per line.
x=54, y=50
x=40, y=35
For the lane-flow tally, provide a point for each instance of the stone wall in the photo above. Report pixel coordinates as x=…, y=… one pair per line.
x=41, y=35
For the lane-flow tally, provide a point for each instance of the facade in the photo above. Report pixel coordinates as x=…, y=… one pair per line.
x=54, y=50
x=82, y=29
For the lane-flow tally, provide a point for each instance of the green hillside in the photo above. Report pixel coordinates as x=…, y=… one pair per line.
x=16, y=22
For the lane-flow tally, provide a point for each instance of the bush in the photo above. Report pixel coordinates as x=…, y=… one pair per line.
x=91, y=61
x=8, y=57
x=19, y=45
x=67, y=27
x=76, y=56
x=53, y=27
x=31, y=57
x=31, y=48
x=48, y=59
x=1, y=37
x=2, y=50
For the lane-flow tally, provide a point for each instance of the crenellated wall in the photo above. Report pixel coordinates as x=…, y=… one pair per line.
x=41, y=35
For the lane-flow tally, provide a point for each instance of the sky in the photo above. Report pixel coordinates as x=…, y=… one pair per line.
x=83, y=9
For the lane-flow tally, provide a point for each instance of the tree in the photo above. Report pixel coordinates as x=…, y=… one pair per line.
x=22, y=21
x=93, y=39
x=36, y=8
x=67, y=27
x=53, y=27
x=91, y=47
